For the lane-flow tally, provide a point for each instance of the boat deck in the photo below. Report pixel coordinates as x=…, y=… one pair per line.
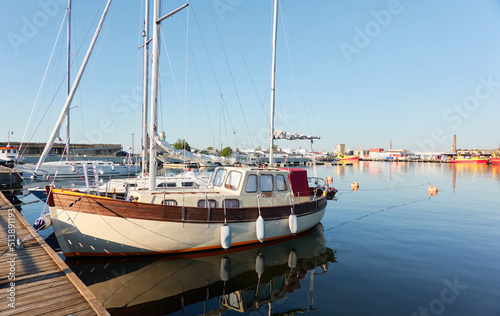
x=34, y=277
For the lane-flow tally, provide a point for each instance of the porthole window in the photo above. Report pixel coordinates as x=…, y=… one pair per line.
x=207, y=203
x=169, y=202
x=232, y=203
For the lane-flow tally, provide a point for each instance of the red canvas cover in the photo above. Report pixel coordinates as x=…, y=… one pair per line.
x=298, y=181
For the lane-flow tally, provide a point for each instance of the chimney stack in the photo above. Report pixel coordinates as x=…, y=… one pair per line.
x=454, y=144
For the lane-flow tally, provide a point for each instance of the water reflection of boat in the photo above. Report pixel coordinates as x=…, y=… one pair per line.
x=240, y=279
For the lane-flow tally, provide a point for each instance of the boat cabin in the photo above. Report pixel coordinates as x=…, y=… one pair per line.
x=236, y=187
x=8, y=155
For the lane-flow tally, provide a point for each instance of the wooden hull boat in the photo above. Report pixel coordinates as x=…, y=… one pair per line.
x=188, y=219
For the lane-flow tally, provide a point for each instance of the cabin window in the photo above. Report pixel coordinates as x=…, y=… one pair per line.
x=232, y=203
x=169, y=202
x=281, y=183
x=3, y=151
x=166, y=185
x=187, y=184
x=14, y=151
x=8, y=151
x=233, y=180
x=266, y=183
x=251, y=183
x=207, y=203
x=219, y=177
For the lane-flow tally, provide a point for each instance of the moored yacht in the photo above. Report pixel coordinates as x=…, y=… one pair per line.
x=239, y=206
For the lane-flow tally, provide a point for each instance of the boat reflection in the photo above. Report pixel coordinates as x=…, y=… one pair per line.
x=240, y=279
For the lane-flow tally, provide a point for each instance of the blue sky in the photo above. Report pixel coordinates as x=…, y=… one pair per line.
x=361, y=73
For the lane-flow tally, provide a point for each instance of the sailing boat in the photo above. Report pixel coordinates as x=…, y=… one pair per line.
x=239, y=206
x=71, y=168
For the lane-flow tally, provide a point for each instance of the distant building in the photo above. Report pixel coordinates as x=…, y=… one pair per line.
x=361, y=153
x=76, y=149
x=339, y=149
x=376, y=153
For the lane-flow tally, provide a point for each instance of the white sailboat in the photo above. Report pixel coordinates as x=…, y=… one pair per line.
x=239, y=206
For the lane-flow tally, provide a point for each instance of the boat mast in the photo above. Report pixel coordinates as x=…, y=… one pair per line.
x=68, y=68
x=72, y=92
x=154, y=89
x=145, y=34
x=273, y=83
x=155, y=67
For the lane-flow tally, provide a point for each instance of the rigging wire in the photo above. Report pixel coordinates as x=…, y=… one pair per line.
x=231, y=75
x=99, y=75
x=248, y=71
x=41, y=84
x=199, y=80
x=173, y=77
x=285, y=27
x=208, y=56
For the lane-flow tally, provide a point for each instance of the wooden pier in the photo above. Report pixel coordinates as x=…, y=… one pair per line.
x=34, y=280
x=10, y=181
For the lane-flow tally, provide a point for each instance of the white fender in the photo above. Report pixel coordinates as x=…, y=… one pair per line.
x=43, y=222
x=293, y=223
x=225, y=236
x=260, y=264
x=292, y=259
x=225, y=269
x=260, y=228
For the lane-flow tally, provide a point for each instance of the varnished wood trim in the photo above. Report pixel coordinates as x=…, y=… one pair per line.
x=135, y=210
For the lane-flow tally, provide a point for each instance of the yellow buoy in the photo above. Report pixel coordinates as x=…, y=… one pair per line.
x=354, y=186
x=432, y=190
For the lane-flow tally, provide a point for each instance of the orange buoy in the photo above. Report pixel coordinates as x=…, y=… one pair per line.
x=354, y=186
x=432, y=190
x=329, y=180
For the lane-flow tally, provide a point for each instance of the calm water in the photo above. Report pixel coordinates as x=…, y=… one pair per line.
x=385, y=249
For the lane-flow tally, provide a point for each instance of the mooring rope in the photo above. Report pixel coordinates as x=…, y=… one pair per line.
x=376, y=212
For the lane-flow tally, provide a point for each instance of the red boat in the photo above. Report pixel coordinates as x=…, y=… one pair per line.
x=478, y=160
x=495, y=160
x=348, y=158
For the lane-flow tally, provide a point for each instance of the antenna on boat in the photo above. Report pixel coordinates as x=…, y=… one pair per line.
x=273, y=83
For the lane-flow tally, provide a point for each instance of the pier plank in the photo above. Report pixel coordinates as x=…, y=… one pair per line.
x=44, y=284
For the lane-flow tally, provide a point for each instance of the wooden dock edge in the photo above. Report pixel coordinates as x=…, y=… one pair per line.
x=79, y=285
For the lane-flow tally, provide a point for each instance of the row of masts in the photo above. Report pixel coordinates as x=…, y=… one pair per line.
x=153, y=119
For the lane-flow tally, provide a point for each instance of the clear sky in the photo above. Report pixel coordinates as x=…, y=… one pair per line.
x=361, y=73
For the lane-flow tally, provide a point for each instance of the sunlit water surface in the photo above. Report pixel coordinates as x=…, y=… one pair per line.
x=386, y=249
